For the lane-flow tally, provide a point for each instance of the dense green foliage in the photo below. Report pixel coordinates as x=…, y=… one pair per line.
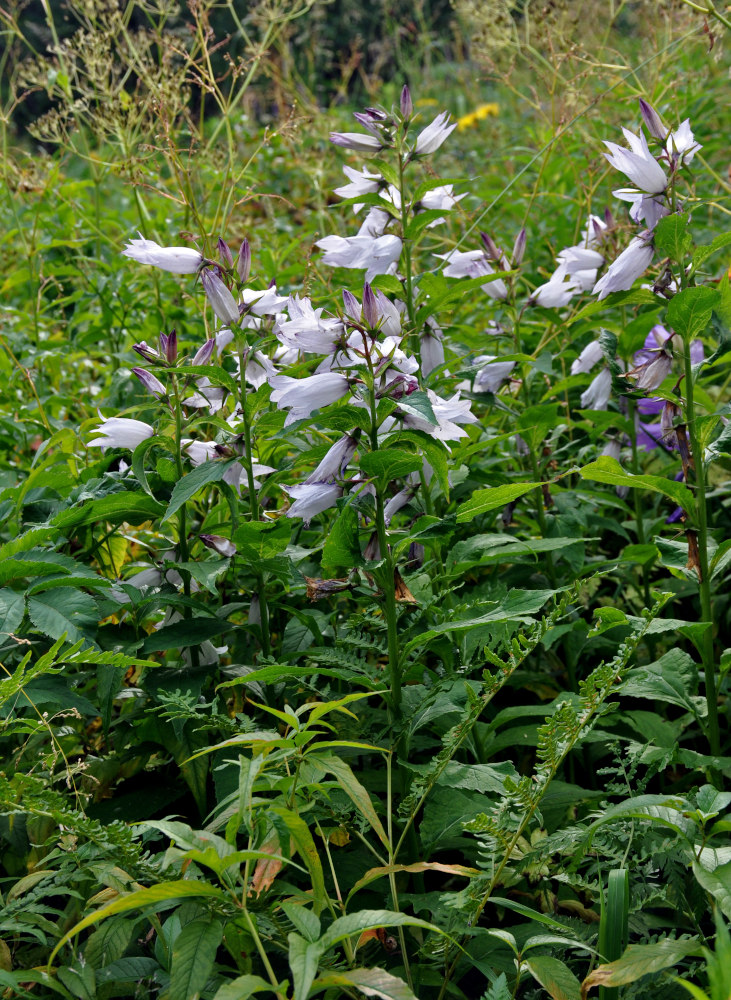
x=450, y=719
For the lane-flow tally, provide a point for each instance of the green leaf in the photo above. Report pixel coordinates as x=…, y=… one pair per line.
x=188, y=486
x=365, y=920
x=642, y=960
x=390, y=463
x=242, y=988
x=194, y=952
x=305, y=845
x=371, y=982
x=418, y=224
x=12, y=611
x=672, y=238
x=79, y=980
x=188, y=632
x=486, y=500
x=205, y=573
x=355, y=792
x=304, y=960
x=63, y=612
x=138, y=460
x=257, y=541
x=134, y=508
x=419, y=405
x=689, y=312
x=434, y=452
x=608, y=470
x=555, y=977
x=716, y=881
x=139, y=900
x=303, y=919
x=342, y=547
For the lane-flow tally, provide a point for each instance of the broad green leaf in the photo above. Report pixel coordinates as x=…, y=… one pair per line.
x=555, y=977
x=483, y=501
x=641, y=960
x=354, y=790
x=370, y=982
x=608, y=470
x=63, y=612
x=15, y=981
x=131, y=969
x=342, y=547
x=419, y=405
x=134, y=508
x=390, y=463
x=304, y=960
x=188, y=632
x=717, y=882
x=79, y=980
x=672, y=238
x=109, y=942
x=434, y=452
x=205, y=573
x=242, y=988
x=307, y=924
x=138, y=900
x=260, y=540
x=194, y=952
x=12, y=611
x=689, y=311
x=188, y=486
x=305, y=845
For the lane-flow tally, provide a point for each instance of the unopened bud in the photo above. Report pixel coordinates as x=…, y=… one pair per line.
x=352, y=306
x=169, y=347
x=519, y=247
x=224, y=252
x=407, y=107
x=219, y=544
x=371, y=314
x=243, y=261
x=152, y=384
x=203, y=355
x=491, y=248
x=653, y=121
x=222, y=301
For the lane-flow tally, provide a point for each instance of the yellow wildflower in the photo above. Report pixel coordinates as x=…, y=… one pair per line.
x=483, y=111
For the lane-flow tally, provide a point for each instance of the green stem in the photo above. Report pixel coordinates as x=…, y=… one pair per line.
x=707, y=657
x=408, y=277
x=242, y=350
x=389, y=592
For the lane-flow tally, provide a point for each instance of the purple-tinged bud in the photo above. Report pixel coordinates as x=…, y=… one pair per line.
x=170, y=349
x=146, y=352
x=219, y=544
x=653, y=121
x=609, y=218
x=371, y=313
x=243, y=261
x=357, y=141
x=491, y=248
x=352, y=305
x=203, y=355
x=668, y=423
x=224, y=252
x=152, y=384
x=407, y=107
x=519, y=247
x=222, y=301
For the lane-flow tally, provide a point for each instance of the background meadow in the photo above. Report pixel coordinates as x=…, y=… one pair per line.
x=377, y=643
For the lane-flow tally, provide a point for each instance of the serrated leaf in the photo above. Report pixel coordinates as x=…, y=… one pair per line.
x=134, y=508
x=188, y=486
x=608, y=470
x=489, y=499
x=389, y=463
x=689, y=311
x=672, y=238
x=63, y=612
x=12, y=611
x=342, y=547
x=702, y=254
x=194, y=952
x=419, y=405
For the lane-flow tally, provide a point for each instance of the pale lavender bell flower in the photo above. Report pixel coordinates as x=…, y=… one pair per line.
x=630, y=264
x=222, y=301
x=301, y=396
x=432, y=137
x=121, y=432
x=637, y=163
x=176, y=260
x=312, y=498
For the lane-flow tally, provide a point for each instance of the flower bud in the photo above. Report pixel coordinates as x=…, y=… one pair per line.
x=222, y=301
x=219, y=544
x=152, y=384
x=224, y=252
x=352, y=305
x=519, y=247
x=491, y=248
x=243, y=261
x=203, y=355
x=371, y=313
x=407, y=107
x=169, y=346
x=653, y=121
x=146, y=352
